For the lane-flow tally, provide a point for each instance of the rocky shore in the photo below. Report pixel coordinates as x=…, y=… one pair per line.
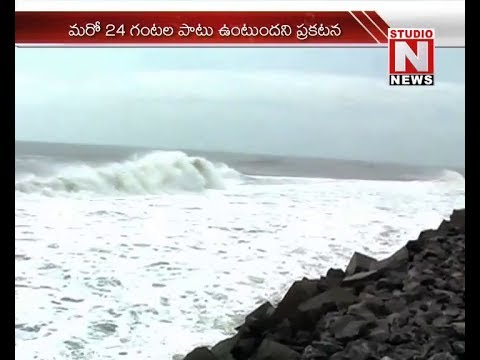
x=408, y=306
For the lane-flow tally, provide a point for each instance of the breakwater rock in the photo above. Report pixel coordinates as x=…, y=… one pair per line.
x=408, y=306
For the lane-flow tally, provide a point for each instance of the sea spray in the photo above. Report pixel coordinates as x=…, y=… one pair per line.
x=152, y=173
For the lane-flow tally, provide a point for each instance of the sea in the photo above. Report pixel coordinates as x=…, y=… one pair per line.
x=124, y=253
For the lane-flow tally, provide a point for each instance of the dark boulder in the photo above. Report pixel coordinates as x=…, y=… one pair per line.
x=282, y=332
x=334, y=278
x=261, y=318
x=380, y=331
x=408, y=351
x=434, y=251
x=271, y=350
x=417, y=246
x=402, y=336
x=347, y=328
x=312, y=310
x=398, y=320
x=436, y=344
x=459, y=328
x=223, y=349
x=442, y=356
x=444, y=296
x=313, y=353
x=451, y=312
x=244, y=348
x=328, y=344
x=359, y=263
x=303, y=338
x=360, y=350
x=361, y=311
x=426, y=234
x=395, y=304
x=458, y=347
x=414, y=291
x=457, y=219
x=461, y=316
x=200, y=353
x=299, y=292
x=445, y=228
x=339, y=356
x=430, y=315
x=361, y=279
x=327, y=320
x=396, y=261
x=374, y=303
x=330, y=300
x=392, y=280
x=441, y=322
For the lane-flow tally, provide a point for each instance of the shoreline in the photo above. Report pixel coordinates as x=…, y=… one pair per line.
x=249, y=163
x=409, y=306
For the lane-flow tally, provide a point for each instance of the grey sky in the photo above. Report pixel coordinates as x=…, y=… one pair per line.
x=313, y=102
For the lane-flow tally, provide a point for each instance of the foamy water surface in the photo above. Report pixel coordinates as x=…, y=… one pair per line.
x=148, y=277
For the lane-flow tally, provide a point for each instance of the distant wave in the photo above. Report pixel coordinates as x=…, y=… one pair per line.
x=443, y=176
x=451, y=179
x=152, y=173
x=450, y=176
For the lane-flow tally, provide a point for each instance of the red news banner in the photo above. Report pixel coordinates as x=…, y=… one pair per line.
x=199, y=28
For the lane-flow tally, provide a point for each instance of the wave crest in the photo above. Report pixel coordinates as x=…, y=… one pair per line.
x=450, y=176
x=152, y=173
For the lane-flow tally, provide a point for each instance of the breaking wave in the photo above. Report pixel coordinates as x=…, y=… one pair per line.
x=452, y=177
x=152, y=173
x=451, y=181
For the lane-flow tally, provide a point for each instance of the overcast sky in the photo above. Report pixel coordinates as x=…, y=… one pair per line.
x=308, y=102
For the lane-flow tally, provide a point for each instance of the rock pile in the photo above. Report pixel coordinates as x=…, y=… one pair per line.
x=408, y=306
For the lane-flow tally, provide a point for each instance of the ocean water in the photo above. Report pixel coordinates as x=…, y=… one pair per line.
x=142, y=254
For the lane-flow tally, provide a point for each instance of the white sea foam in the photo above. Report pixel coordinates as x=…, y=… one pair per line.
x=151, y=276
